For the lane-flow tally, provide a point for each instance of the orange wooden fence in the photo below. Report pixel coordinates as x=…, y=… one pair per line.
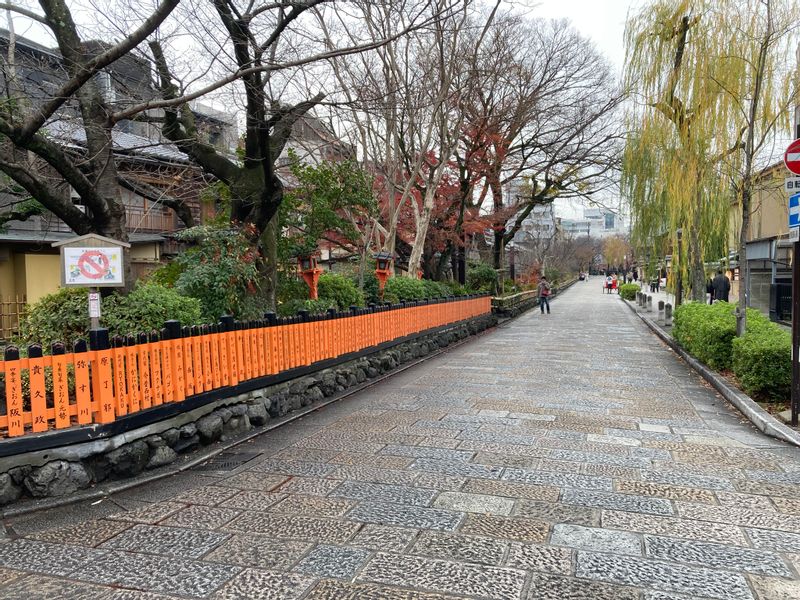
x=108, y=381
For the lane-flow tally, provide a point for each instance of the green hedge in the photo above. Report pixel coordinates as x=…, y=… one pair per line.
x=63, y=316
x=761, y=359
x=405, y=288
x=628, y=291
x=339, y=289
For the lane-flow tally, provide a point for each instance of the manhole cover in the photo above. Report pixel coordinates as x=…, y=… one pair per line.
x=226, y=461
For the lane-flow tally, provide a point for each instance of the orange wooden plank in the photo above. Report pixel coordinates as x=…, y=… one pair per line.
x=157, y=380
x=103, y=385
x=13, y=369
x=37, y=389
x=120, y=387
x=132, y=371
x=83, y=394
x=61, y=390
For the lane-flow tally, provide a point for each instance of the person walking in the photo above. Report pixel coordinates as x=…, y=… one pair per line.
x=544, y=294
x=710, y=290
x=721, y=286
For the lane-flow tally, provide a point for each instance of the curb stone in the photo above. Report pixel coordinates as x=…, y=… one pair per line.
x=759, y=417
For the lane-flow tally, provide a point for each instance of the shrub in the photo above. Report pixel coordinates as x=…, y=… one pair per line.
x=628, y=291
x=371, y=288
x=707, y=330
x=456, y=289
x=147, y=307
x=762, y=361
x=405, y=288
x=62, y=316
x=315, y=307
x=435, y=289
x=482, y=278
x=340, y=290
x=221, y=271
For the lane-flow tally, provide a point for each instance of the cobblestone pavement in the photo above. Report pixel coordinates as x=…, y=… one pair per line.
x=563, y=457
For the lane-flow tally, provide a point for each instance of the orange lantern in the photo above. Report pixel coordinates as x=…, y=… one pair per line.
x=307, y=264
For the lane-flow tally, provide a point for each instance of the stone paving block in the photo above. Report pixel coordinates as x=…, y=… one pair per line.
x=49, y=588
x=651, y=427
x=474, y=503
x=559, y=466
x=386, y=513
x=286, y=467
x=340, y=445
x=780, y=541
x=380, y=492
x=545, y=586
x=530, y=557
x=555, y=512
x=507, y=449
x=166, y=541
x=374, y=475
x=506, y=528
x=137, y=595
x=652, y=595
x=612, y=471
x=341, y=590
x=687, y=480
x=444, y=576
x=456, y=469
x=44, y=557
x=253, y=500
x=208, y=495
x=313, y=506
x=498, y=437
x=296, y=528
x=547, y=478
x=651, y=453
x=381, y=461
x=512, y=490
x=8, y=575
x=771, y=588
x=596, y=539
x=606, y=438
x=256, y=584
x=89, y=533
x=337, y=562
x=663, y=490
x=305, y=455
x=632, y=571
x=750, y=501
x=769, y=489
x=149, y=514
x=439, y=442
x=611, y=501
x=716, y=556
x=201, y=517
x=789, y=506
x=154, y=573
x=254, y=480
x=460, y=548
x=502, y=460
x=310, y=486
x=670, y=526
x=258, y=551
x=383, y=537
x=423, y=452
x=739, y=516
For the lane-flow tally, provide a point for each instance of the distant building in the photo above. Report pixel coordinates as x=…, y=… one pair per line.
x=596, y=222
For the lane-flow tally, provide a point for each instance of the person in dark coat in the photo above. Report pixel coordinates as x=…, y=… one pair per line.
x=710, y=290
x=721, y=286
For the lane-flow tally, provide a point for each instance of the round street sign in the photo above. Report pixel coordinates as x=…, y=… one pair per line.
x=792, y=157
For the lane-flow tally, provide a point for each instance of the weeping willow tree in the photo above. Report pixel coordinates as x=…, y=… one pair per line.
x=767, y=34
x=683, y=128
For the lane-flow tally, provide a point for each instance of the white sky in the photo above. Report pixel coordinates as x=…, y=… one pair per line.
x=603, y=21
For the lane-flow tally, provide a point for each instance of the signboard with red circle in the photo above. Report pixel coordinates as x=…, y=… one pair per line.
x=93, y=267
x=791, y=157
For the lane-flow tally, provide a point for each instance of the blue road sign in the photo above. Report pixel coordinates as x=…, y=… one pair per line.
x=794, y=211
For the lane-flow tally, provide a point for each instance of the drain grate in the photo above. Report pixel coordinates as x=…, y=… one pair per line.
x=226, y=461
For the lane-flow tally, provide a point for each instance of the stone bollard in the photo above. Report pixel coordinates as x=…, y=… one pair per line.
x=668, y=315
x=649, y=304
x=638, y=298
x=661, y=312
x=641, y=299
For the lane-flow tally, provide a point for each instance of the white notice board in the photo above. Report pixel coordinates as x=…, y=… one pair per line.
x=100, y=267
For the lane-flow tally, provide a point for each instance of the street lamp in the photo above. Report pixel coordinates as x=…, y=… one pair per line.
x=678, y=263
x=307, y=264
x=383, y=269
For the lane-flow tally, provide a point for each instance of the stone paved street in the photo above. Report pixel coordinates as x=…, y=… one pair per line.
x=564, y=457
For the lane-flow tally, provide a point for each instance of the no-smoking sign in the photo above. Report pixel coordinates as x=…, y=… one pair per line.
x=92, y=266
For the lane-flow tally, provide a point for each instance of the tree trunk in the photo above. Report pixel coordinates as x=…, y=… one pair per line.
x=269, y=263
x=697, y=273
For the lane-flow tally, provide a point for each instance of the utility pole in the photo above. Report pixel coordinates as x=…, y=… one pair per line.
x=796, y=286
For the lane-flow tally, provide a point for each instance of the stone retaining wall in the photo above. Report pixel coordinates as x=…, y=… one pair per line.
x=67, y=469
